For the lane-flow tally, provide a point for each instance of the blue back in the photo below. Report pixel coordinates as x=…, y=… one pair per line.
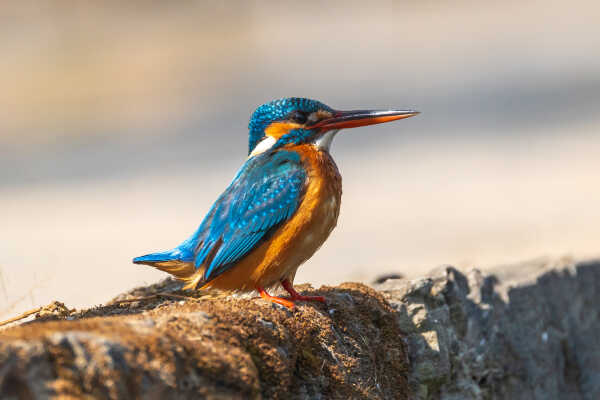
x=278, y=110
x=265, y=193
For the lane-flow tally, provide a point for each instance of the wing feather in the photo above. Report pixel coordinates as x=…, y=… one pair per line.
x=264, y=194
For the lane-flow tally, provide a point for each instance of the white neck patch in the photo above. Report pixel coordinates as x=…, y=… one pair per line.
x=263, y=145
x=323, y=142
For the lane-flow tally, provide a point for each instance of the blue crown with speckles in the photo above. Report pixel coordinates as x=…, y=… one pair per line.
x=278, y=110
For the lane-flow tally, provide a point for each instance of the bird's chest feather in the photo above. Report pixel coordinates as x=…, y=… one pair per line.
x=298, y=238
x=319, y=210
x=316, y=216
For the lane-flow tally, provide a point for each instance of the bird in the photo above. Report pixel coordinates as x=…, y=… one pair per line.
x=279, y=209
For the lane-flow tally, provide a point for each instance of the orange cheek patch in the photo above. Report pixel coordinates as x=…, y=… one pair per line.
x=278, y=129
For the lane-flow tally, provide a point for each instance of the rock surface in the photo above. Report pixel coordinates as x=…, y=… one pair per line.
x=526, y=331
x=166, y=347
x=529, y=331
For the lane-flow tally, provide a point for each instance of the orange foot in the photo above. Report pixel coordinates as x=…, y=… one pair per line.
x=287, y=285
x=278, y=300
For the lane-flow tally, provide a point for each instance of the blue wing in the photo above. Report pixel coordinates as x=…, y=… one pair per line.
x=264, y=194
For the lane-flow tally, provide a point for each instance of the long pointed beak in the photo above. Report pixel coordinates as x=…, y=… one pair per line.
x=355, y=118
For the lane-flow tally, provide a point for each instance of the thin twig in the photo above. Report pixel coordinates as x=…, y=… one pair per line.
x=21, y=298
x=154, y=296
x=24, y=315
x=178, y=296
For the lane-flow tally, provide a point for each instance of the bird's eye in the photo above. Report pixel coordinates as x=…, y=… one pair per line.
x=298, y=116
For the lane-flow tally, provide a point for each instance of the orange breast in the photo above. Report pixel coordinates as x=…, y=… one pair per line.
x=298, y=239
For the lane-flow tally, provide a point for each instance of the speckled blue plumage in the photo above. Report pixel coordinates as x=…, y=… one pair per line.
x=275, y=111
x=295, y=136
x=265, y=193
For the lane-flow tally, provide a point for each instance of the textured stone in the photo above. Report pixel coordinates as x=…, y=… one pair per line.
x=528, y=331
x=214, y=348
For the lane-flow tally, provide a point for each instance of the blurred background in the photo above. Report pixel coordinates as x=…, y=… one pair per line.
x=121, y=122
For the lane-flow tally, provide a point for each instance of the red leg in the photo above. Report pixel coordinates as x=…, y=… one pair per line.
x=287, y=285
x=278, y=300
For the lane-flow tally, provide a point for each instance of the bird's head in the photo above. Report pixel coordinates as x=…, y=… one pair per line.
x=295, y=120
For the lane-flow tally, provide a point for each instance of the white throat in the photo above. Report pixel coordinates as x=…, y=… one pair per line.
x=323, y=142
x=263, y=145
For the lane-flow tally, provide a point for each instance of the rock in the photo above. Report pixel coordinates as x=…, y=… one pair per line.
x=526, y=331
x=529, y=331
x=211, y=347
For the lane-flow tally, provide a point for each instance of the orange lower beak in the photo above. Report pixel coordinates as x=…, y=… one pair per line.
x=355, y=118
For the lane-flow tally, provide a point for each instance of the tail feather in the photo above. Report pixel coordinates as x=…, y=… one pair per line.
x=155, y=257
x=174, y=262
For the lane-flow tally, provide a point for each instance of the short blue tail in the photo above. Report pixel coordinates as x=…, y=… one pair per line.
x=170, y=255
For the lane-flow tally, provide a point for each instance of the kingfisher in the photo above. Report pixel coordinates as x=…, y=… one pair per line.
x=280, y=207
